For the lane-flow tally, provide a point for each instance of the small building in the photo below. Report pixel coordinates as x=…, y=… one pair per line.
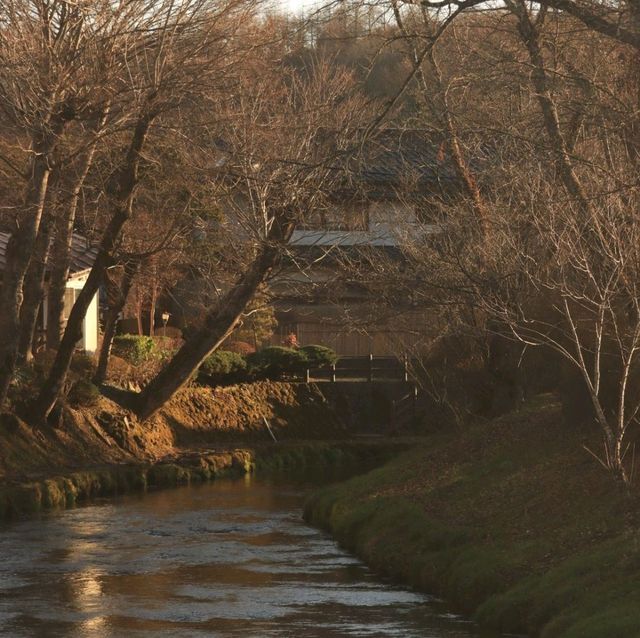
x=83, y=254
x=328, y=294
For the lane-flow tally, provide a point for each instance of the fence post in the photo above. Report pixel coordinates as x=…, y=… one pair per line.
x=307, y=375
x=370, y=375
x=394, y=420
x=333, y=373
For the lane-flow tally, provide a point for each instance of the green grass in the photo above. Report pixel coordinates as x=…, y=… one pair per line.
x=511, y=521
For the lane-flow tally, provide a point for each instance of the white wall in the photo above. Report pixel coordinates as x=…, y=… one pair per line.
x=90, y=327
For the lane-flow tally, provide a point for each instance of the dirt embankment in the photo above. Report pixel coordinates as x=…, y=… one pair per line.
x=511, y=520
x=104, y=449
x=221, y=418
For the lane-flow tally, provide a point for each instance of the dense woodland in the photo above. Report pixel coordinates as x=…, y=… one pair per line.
x=195, y=136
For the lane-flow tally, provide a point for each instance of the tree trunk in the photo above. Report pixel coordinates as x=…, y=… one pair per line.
x=153, y=301
x=152, y=312
x=19, y=251
x=34, y=289
x=618, y=458
x=115, y=308
x=60, y=266
x=218, y=325
x=121, y=190
x=61, y=251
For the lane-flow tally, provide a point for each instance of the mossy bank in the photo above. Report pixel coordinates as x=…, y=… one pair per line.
x=512, y=521
x=63, y=491
x=201, y=434
x=19, y=499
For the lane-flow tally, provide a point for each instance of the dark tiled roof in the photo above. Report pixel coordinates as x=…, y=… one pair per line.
x=82, y=253
x=395, y=158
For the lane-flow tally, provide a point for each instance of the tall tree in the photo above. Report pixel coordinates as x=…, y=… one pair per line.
x=275, y=173
x=177, y=49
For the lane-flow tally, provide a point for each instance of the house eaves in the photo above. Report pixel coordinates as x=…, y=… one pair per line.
x=83, y=254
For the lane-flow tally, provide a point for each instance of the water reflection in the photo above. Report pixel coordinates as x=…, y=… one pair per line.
x=227, y=559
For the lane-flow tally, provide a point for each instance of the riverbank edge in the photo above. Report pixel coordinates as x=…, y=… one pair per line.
x=524, y=586
x=72, y=488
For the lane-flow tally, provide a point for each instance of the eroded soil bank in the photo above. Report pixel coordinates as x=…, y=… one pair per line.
x=511, y=520
x=201, y=434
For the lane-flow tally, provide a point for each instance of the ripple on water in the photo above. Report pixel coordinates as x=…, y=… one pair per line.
x=227, y=559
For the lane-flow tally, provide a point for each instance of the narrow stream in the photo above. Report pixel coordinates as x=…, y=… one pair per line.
x=232, y=558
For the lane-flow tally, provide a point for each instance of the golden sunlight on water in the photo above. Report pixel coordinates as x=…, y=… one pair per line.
x=230, y=559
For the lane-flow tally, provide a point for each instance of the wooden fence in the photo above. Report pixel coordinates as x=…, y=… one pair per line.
x=367, y=368
x=403, y=410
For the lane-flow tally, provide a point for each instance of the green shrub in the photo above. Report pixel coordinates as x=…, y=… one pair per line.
x=134, y=348
x=319, y=356
x=25, y=376
x=25, y=383
x=277, y=362
x=83, y=393
x=223, y=366
x=164, y=347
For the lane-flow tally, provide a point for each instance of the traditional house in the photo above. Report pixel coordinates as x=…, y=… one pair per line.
x=83, y=255
x=324, y=296
x=326, y=293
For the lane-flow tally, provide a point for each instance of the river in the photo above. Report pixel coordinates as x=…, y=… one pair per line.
x=231, y=558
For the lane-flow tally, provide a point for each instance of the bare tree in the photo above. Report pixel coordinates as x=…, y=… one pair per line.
x=43, y=47
x=282, y=142
x=572, y=286
x=178, y=48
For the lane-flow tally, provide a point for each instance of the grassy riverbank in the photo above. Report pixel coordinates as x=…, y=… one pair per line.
x=60, y=491
x=511, y=520
x=203, y=433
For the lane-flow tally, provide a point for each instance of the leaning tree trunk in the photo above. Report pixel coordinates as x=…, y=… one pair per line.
x=34, y=288
x=122, y=191
x=19, y=251
x=218, y=325
x=61, y=251
x=115, y=308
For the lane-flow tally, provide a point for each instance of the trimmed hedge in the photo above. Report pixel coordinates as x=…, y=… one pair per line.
x=319, y=356
x=223, y=366
x=134, y=348
x=273, y=362
x=277, y=362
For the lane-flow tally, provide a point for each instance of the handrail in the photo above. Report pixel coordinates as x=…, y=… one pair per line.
x=383, y=368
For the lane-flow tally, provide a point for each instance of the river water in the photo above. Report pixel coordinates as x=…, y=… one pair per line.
x=231, y=558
